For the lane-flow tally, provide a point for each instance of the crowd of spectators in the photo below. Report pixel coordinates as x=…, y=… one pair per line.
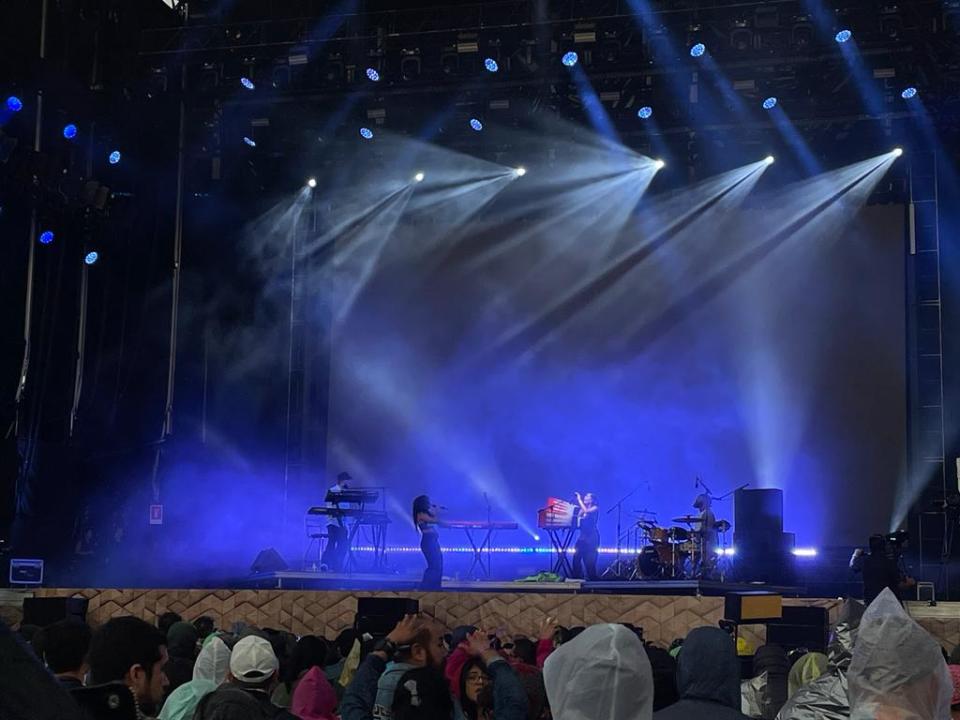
x=880, y=664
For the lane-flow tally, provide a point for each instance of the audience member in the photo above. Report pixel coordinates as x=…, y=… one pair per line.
x=422, y=694
x=205, y=626
x=484, y=667
x=213, y=662
x=63, y=648
x=525, y=651
x=167, y=620
x=182, y=650
x=314, y=697
x=664, y=668
x=309, y=652
x=536, y=692
x=246, y=694
x=182, y=702
x=602, y=674
x=897, y=670
x=955, y=699
x=413, y=643
x=805, y=670
x=766, y=692
x=826, y=697
x=134, y=652
x=27, y=690
x=708, y=678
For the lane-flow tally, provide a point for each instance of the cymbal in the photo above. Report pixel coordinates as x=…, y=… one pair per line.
x=689, y=519
x=722, y=525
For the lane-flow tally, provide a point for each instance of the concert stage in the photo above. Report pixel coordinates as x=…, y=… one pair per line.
x=290, y=580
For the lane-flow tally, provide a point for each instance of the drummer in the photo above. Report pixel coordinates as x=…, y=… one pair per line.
x=708, y=529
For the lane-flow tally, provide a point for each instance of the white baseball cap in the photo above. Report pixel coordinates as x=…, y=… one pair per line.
x=253, y=660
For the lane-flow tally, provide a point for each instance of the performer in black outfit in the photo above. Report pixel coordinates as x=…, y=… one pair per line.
x=588, y=544
x=338, y=541
x=425, y=518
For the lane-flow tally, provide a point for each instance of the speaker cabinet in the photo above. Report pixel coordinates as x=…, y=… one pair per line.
x=43, y=611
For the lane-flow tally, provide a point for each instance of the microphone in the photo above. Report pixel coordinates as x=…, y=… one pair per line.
x=440, y=507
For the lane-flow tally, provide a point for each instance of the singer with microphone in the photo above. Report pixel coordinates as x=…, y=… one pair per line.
x=588, y=543
x=425, y=518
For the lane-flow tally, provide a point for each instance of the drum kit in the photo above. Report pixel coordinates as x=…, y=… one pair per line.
x=676, y=552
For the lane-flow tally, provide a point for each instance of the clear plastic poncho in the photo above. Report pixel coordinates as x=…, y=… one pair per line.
x=602, y=674
x=897, y=671
x=213, y=662
x=826, y=697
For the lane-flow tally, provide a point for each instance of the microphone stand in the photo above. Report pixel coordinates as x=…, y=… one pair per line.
x=486, y=499
x=616, y=568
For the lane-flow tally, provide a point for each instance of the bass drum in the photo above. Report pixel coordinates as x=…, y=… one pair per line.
x=648, y=563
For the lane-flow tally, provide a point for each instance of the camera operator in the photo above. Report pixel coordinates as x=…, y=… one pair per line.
x=881, y=566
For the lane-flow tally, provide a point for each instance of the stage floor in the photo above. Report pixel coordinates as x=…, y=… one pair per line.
x=298, y=580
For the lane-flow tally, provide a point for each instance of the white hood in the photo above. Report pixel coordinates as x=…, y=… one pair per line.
x=602, y=674
x=897, y=671
x=213, y=662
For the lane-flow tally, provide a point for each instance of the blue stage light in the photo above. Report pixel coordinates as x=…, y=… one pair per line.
x=698, y=50
x=14, y=104
x=70, y=131
x=114, y=157
x=908, y=93
x=247, y=83
x=645, y=112
x=843, y=36
x=491, y=65
x=366, y=133
x=249, y=141
x=46, y=237
x=476, y=124
x=570, y=59
x=91, y=257
x=770, y=103
x=805, y=552
x=373, y=75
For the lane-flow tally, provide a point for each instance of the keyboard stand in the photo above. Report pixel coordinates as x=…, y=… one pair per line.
x=561, y=539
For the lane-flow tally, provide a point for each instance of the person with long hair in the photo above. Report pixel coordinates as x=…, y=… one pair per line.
x=588, y=543
x=425, y=518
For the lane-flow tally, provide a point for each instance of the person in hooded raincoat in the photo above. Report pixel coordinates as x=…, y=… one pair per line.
x=602, y=674
x=314, y=697
x=213, y=662
x=805, y=670
x=897, y=670
x=182, y=702
x=708, y=678
x=182, y=654
x=826, y=697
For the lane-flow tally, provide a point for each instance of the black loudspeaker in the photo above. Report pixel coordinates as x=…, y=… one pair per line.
x=268, y=560
x=378, y=615
x=43, y=611
x=807, y=627
x=758, y=513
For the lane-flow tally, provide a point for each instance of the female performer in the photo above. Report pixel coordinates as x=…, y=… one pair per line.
x=425, y=518
x=588, y=544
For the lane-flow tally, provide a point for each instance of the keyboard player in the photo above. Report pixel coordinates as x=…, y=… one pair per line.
x=338, y=539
